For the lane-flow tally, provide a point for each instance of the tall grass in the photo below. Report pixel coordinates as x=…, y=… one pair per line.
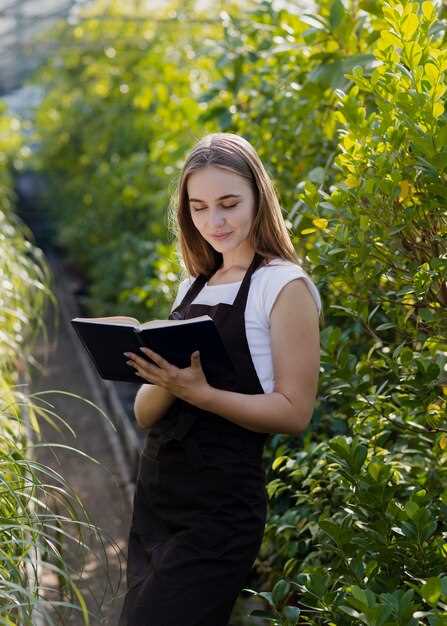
x=39, y=513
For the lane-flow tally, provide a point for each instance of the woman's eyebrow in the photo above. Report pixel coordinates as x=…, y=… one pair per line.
x=228, y=195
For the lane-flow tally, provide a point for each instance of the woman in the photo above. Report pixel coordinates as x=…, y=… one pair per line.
x=200, y=503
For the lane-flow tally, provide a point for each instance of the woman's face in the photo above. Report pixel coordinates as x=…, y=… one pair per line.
x=221, y=202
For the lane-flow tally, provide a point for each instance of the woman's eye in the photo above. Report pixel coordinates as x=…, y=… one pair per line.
x=228, y=206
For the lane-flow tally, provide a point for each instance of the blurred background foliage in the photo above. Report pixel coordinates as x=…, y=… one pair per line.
x=346, y=107
x=113, y=129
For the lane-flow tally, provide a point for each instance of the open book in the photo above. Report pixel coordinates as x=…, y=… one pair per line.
x=106, y=338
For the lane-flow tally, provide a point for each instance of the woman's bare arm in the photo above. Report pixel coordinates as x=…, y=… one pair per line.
x=151, y=403
x=296, y=364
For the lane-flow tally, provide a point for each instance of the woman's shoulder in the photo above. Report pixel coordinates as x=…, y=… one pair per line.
x=187, y=280
x=185, y=283
x=277, y=270
x=275, y=274
x=272, y=264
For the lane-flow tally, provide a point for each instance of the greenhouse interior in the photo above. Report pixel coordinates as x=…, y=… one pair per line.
x=190, y=435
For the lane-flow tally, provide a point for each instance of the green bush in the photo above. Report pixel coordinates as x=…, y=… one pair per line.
x=358, y=517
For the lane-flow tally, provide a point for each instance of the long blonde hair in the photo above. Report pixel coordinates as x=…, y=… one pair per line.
x=268, y=234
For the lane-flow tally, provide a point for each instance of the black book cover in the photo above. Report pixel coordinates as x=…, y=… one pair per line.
x=105, y=344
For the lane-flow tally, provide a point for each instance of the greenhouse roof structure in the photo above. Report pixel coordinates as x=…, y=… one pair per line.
x=20, y=22
x=23, y=24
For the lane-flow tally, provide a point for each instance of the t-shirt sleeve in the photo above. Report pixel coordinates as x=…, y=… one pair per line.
x=181, y=291
x=276, y=279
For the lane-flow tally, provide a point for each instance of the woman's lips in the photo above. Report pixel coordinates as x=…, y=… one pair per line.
x=221, y=236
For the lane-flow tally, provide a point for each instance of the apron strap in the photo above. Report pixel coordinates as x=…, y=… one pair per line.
x=200, y=281
x=189, y=296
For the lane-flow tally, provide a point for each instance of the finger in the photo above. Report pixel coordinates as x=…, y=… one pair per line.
x=170, y=370
x=159, y=360
x=152, y=380
x=146, y=376
x=142, y=362
x=146, y=368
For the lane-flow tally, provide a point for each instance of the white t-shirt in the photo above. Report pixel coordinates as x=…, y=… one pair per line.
x=266, y=283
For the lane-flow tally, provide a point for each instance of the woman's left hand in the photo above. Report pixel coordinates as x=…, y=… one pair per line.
x=188, y=383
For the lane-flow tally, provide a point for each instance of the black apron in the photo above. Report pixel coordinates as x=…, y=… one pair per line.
x=200, y=502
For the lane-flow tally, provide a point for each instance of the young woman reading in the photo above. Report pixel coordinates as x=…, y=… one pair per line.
x=200, y=503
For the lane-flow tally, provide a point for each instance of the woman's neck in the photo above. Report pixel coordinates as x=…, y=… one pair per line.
x=237, y=261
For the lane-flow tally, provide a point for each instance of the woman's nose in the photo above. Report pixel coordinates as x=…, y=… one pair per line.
x=216, y=218
x=217, y=223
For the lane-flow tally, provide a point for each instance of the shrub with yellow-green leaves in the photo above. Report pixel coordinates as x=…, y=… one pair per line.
x=357, y=531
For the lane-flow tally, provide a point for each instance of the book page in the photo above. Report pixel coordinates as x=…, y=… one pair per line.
x=111, y=319
x=123, y=320
x=161, y=323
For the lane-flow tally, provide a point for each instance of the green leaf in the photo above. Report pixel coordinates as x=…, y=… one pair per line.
x=374, y=470
x=340, y=446
x=364, y=596
x=279, y=461
x=291, y=613
x=358, y=457
x=337, y=13
x=266, y=595
x=350, y=611
x=280, y=591
x=339, y=534
x=410, y=26
x=431, y=590
x=411, y=508
x=316, y=21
